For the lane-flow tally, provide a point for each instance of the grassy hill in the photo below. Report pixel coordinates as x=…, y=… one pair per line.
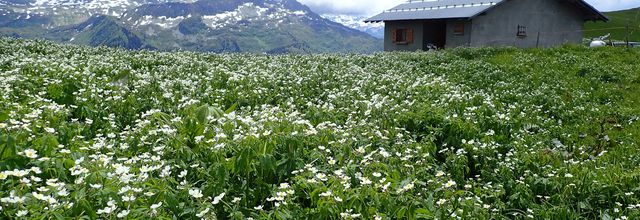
x=619, y=21
x=475, y=133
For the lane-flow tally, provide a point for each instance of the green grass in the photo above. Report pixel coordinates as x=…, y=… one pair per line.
x=484, y=133
x=616, y=26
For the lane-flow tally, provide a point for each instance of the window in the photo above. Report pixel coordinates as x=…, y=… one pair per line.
x=522, y=31
x=402, y=36
x=458, y=28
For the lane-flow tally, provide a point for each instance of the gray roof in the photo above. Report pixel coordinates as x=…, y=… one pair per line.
x=448, y=9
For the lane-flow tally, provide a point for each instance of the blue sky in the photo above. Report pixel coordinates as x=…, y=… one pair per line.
x=371, y=7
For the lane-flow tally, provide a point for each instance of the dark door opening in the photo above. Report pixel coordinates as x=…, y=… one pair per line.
x=435, y=34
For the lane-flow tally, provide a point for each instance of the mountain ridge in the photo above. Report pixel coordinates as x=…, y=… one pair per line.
x=204, y=25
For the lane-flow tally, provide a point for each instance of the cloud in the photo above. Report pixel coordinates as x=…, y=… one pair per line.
x=371, y=7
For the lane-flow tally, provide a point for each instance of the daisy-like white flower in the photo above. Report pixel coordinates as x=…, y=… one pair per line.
x=50, y=130
x=202, y=213
x=30, y=153
x=123, y=213
x=218, y=198
x=196, y=193
x=21, y=213
x=156, y=206
x=449, y=183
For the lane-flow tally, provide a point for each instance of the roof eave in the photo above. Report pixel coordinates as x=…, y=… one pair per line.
x=599, y=14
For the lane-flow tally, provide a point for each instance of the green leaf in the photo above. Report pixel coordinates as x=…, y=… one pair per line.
x=7, y=147
x=232, y=108
x=202, y=113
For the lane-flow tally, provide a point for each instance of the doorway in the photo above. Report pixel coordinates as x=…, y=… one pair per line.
x=435, y=34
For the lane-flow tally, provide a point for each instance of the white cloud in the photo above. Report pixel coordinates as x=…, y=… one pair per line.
x=371, y=7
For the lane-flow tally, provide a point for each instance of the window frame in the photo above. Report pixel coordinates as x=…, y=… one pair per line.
x=522, y=31
x=459, y=29
x=402, y=36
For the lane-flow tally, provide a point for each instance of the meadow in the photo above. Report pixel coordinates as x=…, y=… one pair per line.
x=485, y=133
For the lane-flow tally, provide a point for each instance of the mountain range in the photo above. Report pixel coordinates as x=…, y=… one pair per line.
x=271, y=26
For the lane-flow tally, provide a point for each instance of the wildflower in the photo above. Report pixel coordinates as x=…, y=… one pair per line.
x=156, y=206
x=218, y=198
x=439, y=174
x=258, y=207
x=376, y=174
x=449, y=183
x=123, y=214
x=128, y=198
x=236, y=199
x=196, y=193
x=106, y=210
x=50, y=130
x=30, y=153
x=568, y=175
x=21, y=213
x=183, y=173
x=202, y=213
x=325, y=194
x=365, y=181
x=321, y=176
x=441, y=201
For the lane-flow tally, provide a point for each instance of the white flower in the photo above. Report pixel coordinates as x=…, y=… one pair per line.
x=321, y=176
x=106, y=210
x=326, y=194
x=449, y=183
x=50, y=130
x=3, y=176
x=258, y=207
x=204, y=212
x=21, y=213
x=284, y=186
x=236, y=199
x=183, y=173
x=441, y=201
x=123, y=214
x=365, y=181
x=30, y=153
x=128, y=198
x=217, y=199
x=439, y=174
x=376, y=174
x=196, y=193
x=156, y=206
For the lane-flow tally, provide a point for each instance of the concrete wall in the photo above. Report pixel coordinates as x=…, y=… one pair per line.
x=454, y=40
x=558, y=23
x=417, y=35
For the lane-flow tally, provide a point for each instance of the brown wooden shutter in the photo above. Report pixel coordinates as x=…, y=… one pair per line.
x=409, y=35
x=394, y=34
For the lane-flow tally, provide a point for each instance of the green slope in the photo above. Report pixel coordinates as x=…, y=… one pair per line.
x=617, y=25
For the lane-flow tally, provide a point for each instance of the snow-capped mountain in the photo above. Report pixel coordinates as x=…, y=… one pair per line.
x=204, y=25
x=357, y=22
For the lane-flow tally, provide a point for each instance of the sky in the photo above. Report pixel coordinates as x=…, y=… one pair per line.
x=372, y=7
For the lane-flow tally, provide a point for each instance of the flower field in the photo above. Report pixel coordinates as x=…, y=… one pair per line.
x=99, y=133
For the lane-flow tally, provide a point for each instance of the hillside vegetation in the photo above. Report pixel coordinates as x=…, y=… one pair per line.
x=465, y=133
x=616, y=26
